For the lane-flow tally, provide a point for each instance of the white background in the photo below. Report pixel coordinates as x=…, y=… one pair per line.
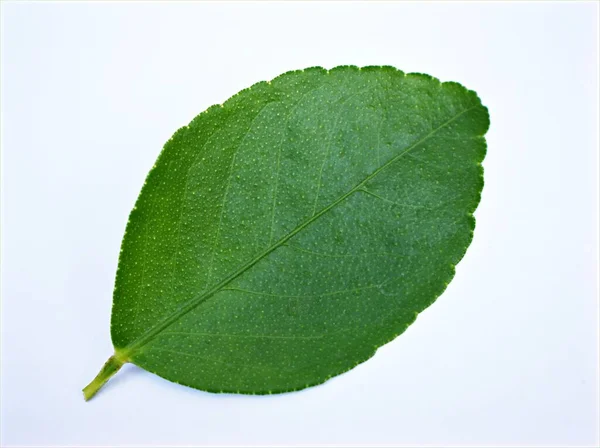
x=507, y=356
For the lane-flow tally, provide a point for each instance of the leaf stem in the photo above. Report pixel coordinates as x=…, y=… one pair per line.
x=111, y=367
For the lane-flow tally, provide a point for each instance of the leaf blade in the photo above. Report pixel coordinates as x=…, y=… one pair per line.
x=303, y=104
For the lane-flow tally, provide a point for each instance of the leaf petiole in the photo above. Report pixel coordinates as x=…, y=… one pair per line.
x=111, y=367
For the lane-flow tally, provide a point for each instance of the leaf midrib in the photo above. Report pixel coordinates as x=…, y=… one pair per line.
x=193, y=303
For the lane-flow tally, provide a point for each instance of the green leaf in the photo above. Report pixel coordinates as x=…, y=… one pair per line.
x=284, y=236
